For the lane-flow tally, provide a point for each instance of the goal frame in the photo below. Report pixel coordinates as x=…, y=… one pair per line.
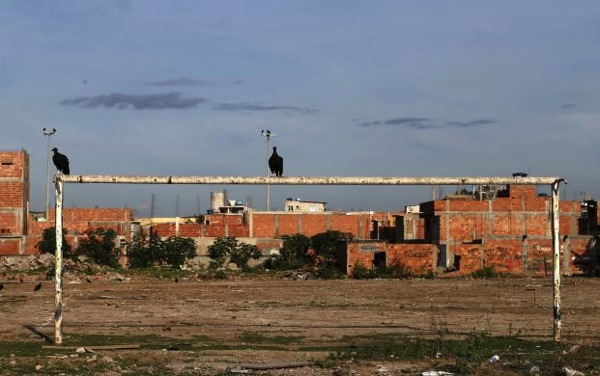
x=60, y=180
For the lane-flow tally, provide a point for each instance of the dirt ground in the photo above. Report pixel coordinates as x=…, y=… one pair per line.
x=309, y=312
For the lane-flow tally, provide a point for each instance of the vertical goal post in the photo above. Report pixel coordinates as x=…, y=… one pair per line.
x=60, y=180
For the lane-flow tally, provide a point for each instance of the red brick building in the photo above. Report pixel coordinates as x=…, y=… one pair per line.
x=508, y=228
x=14, y=200
x=510, y=231
x=20, y=231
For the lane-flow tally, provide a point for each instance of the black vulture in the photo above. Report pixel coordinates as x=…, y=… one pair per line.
x=61, y=162
x=276, y=163
x=1, y=285
x=38, y=286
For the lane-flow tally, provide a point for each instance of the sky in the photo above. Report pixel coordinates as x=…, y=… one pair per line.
x=350, y=88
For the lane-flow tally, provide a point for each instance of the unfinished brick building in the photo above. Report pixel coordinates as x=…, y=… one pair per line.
x=507, y=228
x=20, y=230
x=14, y=201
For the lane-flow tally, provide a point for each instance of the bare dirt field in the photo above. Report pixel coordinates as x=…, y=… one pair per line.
x=236, y=325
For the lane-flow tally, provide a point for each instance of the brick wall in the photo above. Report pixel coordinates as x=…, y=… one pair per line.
x=419, y=258
x=10, y=247
x=78, y=220
x=14, y=200
x=309, y=224
x=271, y=225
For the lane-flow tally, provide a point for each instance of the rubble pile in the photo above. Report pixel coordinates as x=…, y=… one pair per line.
x=34, y=266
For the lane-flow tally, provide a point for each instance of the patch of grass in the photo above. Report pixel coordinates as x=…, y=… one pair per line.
x=465, y=355
x=73, y=339
x=468, y=355
x=486, y=272
x=253, y=337
x=17, y=349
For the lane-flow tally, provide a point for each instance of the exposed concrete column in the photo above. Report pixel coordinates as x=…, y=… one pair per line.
x=447, y=233
x=250, y=214
x=524, y=253
x=567, y=256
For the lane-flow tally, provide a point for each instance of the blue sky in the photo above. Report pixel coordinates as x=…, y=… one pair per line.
x=352, y=88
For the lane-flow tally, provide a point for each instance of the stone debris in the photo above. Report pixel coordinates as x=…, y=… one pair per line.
x=18, y=266
x=535, y=371
x=84, y=350
x=568, y=371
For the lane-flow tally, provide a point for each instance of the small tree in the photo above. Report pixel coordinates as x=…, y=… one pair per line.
x=325, y=246
x=177, y=250
x=293, y=253
x=144, y=250
x=150, y=250
x=219, y=250
x=99, y=246
x=228, y=247
x=48, y=242
x=325, y=249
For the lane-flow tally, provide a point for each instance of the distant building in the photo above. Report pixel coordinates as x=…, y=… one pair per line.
x=507, y=228
x=219, y=203
x=302, y=206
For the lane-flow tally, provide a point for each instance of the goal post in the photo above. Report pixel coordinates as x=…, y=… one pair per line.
x=60, y=180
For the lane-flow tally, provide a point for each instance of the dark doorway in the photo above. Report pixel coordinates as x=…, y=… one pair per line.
x=379, y=261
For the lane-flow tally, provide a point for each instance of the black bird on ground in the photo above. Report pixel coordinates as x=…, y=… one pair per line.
x=61, y=162
x=38, y=286
x=276, y=163
x=1, y=285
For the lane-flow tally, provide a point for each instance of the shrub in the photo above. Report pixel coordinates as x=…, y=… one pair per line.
x=397, y=269
x=485, y=273
x=48, y=242
x=144, y=250
x=293, y=253
x=150, y=250
x=360, y=271
x=99, y=246
x=229, y=248
x=177, y=249
x=325, y=247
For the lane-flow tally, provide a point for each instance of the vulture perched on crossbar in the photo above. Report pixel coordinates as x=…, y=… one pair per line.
x=61, y=162
x=276, y=163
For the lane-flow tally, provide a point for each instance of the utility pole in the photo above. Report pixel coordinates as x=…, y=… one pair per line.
x=48, y=134
x=268, y=134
